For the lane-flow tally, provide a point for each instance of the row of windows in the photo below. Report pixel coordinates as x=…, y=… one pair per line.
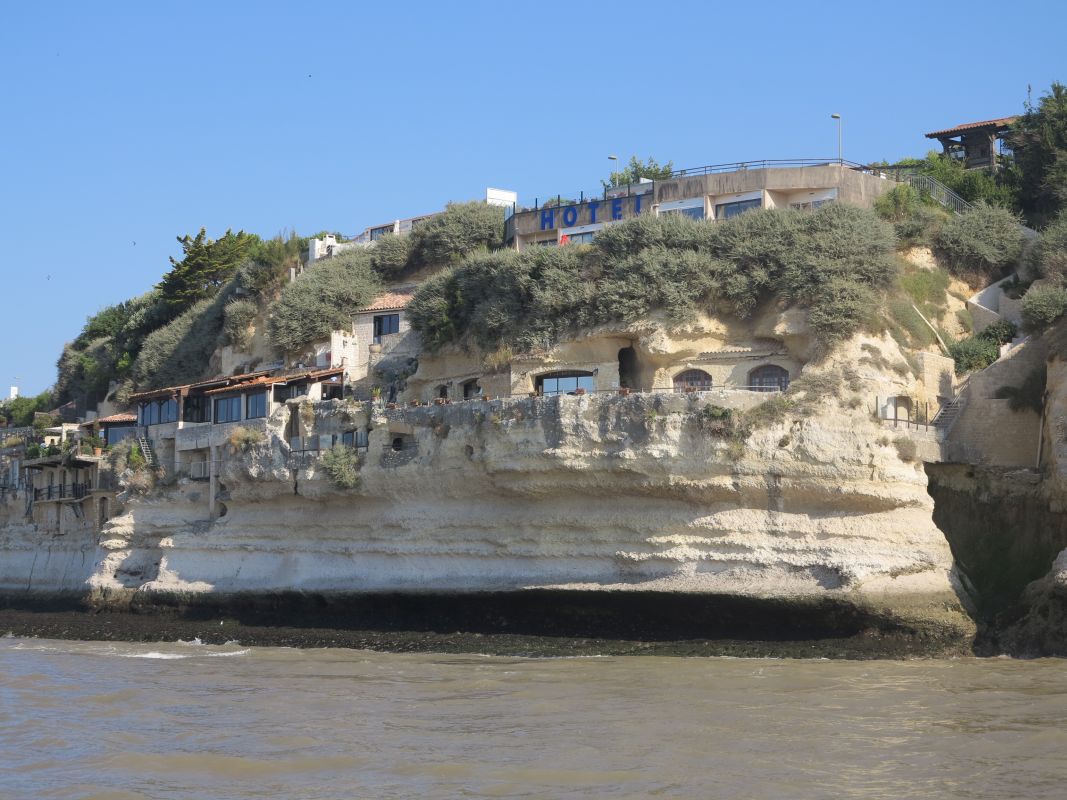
x=157, y=412
x=767, y=378
x=196, y=409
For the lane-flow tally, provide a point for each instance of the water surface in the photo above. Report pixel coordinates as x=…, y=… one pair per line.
x=184, y=720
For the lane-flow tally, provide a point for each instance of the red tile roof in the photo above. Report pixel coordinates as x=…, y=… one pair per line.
x=123, y=417
x=270, y=380
x=1002, y=122
x=392, y=300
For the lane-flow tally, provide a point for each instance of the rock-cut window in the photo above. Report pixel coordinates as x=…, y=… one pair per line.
x=696, y=380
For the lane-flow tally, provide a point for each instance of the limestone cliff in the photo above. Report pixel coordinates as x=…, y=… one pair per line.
x=805, y=502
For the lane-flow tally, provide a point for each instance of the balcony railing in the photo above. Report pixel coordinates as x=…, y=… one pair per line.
x=63, y=491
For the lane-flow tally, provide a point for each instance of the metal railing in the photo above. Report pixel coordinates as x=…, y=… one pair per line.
x=63, y=491
x=769, y=163
x=938, y=192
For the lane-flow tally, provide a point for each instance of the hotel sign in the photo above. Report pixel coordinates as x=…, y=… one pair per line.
x=593, y=211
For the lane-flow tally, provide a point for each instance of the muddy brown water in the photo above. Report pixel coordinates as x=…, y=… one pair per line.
x=187, y=720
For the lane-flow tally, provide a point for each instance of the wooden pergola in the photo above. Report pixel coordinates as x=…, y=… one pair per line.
x=974, y=142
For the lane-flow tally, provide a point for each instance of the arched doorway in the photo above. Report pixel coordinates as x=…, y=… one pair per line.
x=692, y=380
x=768, y=378
x=471, y=389
x=565, y=382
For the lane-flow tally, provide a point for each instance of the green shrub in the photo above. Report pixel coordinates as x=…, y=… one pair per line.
x=390, y=255
x=322, y=299
x=237, y=321
x=898, y=203
x=180, y=351
x=927, y=287
x=903, y=313
x=983, y=241
x=923, y=227
x=242, y=438
x=341, y=464
x=834, y=261
x=1002, y=331
x=720, y=423
x=33, y=450
x=461, y=229
x=1050, y=252
x=966, y=321
x=973, y=353
x=1042, y=306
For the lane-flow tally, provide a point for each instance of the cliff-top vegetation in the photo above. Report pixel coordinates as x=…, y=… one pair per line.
x=837, y=261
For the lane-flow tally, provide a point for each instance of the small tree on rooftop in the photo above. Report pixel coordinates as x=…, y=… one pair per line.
x=637, y=169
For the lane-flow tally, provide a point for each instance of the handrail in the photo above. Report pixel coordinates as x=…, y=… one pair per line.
x=767, y=163
x=939, y=192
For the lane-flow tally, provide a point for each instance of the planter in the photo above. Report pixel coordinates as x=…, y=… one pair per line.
x=440, y=401
x=98, y=451
x=390, y=405
x=487, y=397
x=579, y=392
x=623, y=390
x=414, y=404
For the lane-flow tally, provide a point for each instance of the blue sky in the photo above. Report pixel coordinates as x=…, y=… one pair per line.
x=128, y=124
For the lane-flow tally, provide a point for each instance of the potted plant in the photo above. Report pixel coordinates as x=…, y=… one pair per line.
x=440, y=401
x=624, y=390
x=579, y=391
x=390, y=405
x=376, y=394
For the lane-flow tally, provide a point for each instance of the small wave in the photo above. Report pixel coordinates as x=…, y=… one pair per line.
x=154, y=654
x=227, y=655
x=194, y=642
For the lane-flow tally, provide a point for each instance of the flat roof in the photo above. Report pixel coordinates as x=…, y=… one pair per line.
x=271, y=380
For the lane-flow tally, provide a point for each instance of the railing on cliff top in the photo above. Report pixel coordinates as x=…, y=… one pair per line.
x=581, y=196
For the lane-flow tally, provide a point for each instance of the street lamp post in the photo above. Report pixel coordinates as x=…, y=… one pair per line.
x=614, y=166
x=840, y=157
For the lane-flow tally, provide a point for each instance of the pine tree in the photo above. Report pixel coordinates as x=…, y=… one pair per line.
x=206, y=265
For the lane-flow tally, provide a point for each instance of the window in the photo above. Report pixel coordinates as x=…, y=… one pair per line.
x=728, y=210
x=113, y=434
x=384, y=325
x=577, y=238
x=547, y=243
x=228, y=409
x=768, y=378
x=195, y=409
x=693, y=211
x=156, y=412
x=378, y=233
x=471, y=389
x=256, y=405
x=810, y=205
x=357, y=438
x=565, y=382
x=168, y=410
x=150, y=413
x=692, y=379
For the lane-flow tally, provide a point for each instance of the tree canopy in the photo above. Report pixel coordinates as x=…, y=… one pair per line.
x=637, y=169
x=207, y=264
x=1039, y=142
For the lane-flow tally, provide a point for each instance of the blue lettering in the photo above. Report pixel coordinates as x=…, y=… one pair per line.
x=592, y=212
x=637, y=205
x=548, y=218
x=570, y=215
x=616, y=208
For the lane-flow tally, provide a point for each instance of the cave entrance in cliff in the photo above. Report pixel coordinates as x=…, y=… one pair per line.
x=471, y=389
x=628, y=368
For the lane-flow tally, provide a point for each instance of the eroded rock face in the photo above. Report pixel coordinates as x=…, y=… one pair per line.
x=608, y=493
